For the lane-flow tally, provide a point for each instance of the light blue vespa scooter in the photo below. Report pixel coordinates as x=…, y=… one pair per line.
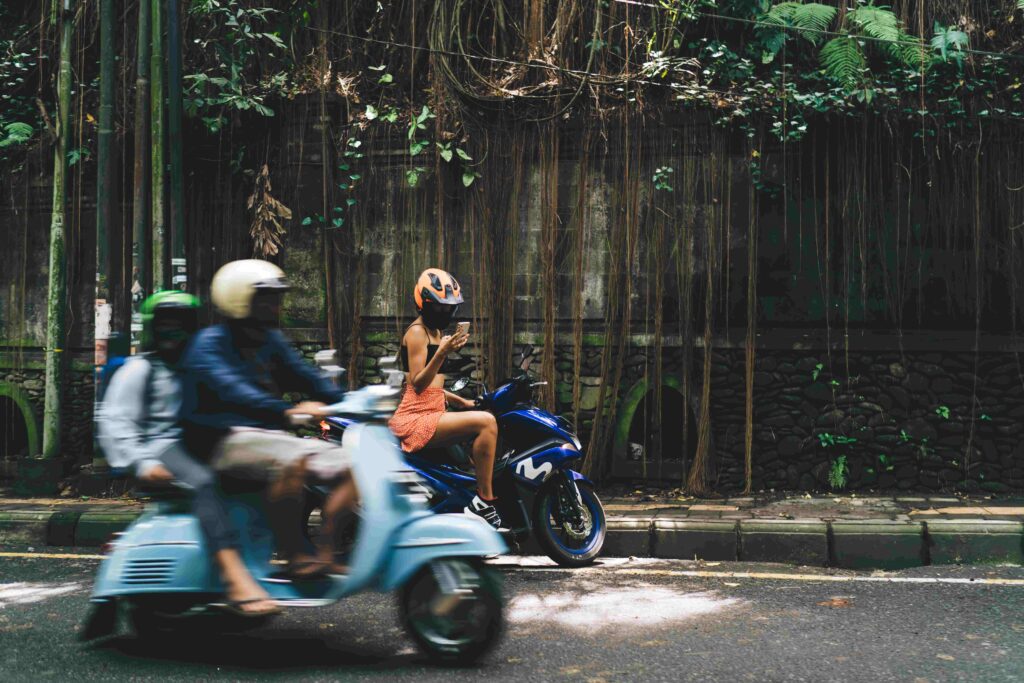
x=160, y=574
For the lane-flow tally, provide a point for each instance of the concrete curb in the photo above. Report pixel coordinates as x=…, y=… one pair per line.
x=846, y=543
x=792, y=541
x=878, y=544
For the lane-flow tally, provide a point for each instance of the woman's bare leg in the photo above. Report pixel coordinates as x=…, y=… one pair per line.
x=484, y=428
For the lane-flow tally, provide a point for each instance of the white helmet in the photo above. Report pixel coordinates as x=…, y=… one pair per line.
x=235, y=284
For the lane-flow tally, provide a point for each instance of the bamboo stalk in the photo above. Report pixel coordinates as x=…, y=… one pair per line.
x=56, y=299
x=161, y=279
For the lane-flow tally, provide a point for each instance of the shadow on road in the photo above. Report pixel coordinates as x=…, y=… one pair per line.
x=262, y=651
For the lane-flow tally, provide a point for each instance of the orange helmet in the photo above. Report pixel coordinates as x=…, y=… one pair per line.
x=437, y=286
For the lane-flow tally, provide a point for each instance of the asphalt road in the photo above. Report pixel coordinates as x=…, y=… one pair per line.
x=639, y=620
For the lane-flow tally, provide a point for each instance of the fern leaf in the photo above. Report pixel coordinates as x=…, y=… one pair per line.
x=876, y=22
x=813, y=19
x=843, y=60
x=16, y=133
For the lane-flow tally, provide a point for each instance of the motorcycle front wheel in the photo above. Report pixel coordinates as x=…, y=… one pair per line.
x=569, y=535
x=452, y=608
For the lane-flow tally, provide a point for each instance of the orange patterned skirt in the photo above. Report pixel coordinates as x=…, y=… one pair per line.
x=415, y=421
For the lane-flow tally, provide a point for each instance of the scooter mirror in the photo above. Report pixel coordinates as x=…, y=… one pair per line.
x=460, y=384
x=327, y=361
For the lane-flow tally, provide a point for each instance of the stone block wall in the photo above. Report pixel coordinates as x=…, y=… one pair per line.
x=77, y=428
x=876, y=419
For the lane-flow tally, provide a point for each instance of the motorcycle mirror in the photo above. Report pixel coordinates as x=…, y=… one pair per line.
x=459, y=384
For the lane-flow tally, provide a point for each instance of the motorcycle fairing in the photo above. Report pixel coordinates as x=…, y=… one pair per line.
x=535, y=419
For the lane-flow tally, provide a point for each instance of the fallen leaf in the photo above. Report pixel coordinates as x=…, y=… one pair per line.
x=971, y=636
x=732, y=585
x=948, y=658
x=836, y=602
x=569, y=670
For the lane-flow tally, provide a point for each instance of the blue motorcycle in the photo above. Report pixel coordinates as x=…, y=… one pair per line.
x=538, y=491
x=159, y=572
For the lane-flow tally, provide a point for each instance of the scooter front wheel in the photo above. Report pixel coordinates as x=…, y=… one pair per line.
x=452, y=608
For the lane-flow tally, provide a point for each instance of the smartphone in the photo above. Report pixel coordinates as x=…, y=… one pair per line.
x=462, y=328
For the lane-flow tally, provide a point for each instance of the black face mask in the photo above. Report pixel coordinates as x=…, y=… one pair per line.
x=170, y=344
x=438, y=316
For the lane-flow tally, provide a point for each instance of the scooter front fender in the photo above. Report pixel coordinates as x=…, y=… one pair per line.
x=432, y=537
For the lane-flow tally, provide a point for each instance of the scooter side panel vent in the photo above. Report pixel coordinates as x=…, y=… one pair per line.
x=148, y=572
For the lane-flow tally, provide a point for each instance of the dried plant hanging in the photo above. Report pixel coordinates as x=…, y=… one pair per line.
x=266, y=229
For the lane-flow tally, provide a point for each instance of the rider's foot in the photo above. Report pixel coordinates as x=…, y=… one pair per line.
x=478, y=507
x=251, y=600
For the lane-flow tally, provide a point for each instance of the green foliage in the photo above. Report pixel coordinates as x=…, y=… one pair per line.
x=19, y=115
x=238, y=37
x=838, y=473
x=662, y=176
x=950, y=43
x=808, y=20
x=15, y=133
x=843, y=61
x=817, y=371
x=827, y=439
x=943, y=412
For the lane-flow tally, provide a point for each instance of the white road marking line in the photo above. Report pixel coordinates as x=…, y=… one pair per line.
x=623, y=566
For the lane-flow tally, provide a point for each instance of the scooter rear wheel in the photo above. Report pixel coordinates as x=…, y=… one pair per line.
x=452, y=608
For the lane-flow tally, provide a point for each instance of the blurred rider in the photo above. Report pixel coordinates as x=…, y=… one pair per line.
x=234, y=412
x=139, y=430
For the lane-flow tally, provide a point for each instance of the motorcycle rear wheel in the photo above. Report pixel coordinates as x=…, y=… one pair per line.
x=556, y=539
x=453, y=609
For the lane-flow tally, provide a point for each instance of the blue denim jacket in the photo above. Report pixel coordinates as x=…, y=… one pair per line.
x=222, y=389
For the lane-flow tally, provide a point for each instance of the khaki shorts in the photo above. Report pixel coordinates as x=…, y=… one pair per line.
x=261, y=454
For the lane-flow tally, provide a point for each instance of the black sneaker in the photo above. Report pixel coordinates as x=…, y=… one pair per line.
x=478, y=507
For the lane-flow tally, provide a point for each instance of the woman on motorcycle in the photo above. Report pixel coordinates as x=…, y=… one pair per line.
x=421, y=419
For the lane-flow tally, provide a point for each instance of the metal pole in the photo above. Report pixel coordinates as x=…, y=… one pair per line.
x=140, y=206
x=176, y=216
x=56, y=299
x=105, y=198
x=161, y=280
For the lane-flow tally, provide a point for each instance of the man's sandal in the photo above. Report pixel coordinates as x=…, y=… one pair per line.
x=308, y=569
x=235, y=607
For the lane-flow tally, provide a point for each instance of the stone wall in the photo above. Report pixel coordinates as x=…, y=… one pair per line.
x=896, y=420
x=27, y=382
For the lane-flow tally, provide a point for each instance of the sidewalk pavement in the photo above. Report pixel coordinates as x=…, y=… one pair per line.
x=850, y=531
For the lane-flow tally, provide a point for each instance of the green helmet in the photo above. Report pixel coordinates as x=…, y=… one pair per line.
x=169, y=304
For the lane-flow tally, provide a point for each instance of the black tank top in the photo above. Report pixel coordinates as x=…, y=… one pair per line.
x=403, y=352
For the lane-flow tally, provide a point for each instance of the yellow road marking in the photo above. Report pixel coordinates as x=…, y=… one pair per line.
x=53, y=556
x=779, y=576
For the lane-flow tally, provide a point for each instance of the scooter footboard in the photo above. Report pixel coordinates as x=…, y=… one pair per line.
x=436, y=536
